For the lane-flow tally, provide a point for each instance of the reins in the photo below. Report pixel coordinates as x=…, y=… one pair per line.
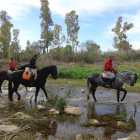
x=120, y=76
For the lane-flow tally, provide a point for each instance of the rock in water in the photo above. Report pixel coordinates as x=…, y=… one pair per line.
x=79, y=137
x=76, y=111
x=53, y=111
x=134, y=136
x=41, y=107
x=82, y=90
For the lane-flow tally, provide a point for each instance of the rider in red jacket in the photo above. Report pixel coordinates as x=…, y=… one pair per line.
x=108, y=64
x=108, y=67
x=12, y=65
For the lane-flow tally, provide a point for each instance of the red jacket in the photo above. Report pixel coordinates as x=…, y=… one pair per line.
x=12, y=65
x=108, y=65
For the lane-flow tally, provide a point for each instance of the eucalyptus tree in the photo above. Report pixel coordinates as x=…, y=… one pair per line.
x=58, y=37
x=15, y=47
x=71, y=20
x=120, y=35
x=46, y=33
x=5, y=34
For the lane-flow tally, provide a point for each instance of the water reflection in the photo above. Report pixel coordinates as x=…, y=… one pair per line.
x=105, y=114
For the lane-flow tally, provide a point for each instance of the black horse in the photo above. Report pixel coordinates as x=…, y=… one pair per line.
x=95, y=79
x=5, y=76
x=17, y=79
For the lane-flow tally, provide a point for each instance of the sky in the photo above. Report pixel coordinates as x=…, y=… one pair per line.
x=96, y=19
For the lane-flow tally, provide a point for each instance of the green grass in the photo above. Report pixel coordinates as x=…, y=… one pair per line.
x=57, y=101
x=82, y=73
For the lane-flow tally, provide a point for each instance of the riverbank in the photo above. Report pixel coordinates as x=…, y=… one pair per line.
x=83, y=83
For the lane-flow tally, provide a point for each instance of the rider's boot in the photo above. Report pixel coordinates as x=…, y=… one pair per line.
x=109, y=84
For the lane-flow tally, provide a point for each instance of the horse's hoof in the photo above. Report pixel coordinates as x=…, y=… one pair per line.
x=121, y=100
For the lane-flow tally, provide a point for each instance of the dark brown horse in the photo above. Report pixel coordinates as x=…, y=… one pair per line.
x=16, y=79
x=5, y=76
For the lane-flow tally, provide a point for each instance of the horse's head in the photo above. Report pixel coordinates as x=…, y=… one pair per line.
x=54, y=72
x=132, y=78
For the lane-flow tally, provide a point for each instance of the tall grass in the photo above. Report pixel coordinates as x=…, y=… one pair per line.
x=83, y=72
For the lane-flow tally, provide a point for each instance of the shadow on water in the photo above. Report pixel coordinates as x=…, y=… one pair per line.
x=104, y=110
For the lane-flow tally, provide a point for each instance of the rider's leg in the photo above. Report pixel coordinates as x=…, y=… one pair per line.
x=33, y=76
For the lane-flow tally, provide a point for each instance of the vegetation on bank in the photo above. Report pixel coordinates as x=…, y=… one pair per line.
x=82, y=73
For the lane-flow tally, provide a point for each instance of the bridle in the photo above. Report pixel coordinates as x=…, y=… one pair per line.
x=122, y=77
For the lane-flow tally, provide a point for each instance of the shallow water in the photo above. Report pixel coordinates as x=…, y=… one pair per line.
x=105, y=107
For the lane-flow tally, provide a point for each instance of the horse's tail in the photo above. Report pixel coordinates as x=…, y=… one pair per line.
x=88, y=88
x=10, y=90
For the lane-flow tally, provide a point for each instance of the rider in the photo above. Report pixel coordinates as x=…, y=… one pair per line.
x=12, y=65
x=109, y=70
x=33, y=68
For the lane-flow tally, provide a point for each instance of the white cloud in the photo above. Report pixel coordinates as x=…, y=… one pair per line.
x=90, y=7
x=16, y=8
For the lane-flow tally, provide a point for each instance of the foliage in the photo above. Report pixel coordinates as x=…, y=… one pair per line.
x=57, y=101
x=5, y=34
x=58, y=38
x=120, y=35
x=46, y=33
x=15, y=49
x=71, y=20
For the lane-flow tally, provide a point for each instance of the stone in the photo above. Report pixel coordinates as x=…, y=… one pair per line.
x=76, y=111
x=95, y=122
x=121, y=124
x=79, y=137
x=7, y=128
x=133, y=136
x=53, y=111
x=99, y=92
x=41, y=107
x=82, y=90
x=21, y=115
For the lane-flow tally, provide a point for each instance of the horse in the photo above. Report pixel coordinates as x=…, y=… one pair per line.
x=5, y=76
x=16, y=79
x=95, y=79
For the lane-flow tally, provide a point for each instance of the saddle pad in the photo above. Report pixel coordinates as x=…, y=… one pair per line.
x=25, y=76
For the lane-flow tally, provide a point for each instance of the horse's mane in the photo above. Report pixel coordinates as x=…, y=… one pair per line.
x=46, y=68
x=126, y=71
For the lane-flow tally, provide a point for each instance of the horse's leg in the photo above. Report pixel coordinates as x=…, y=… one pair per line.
x=0, y=86
x=118, y=95
x=36, y=94
x=26, y=89
x=43, y=88
x=15, y=89
x=125, y=92
x=93, y=93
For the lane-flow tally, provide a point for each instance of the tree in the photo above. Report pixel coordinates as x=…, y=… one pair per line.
x=71, y=20
x=5, y=34
x=58, y=37
x=91, y=49
x=46, y=33
x=120, y=35
x=15, y=48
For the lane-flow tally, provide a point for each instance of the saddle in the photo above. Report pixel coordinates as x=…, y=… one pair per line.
x=27, y=74
x=10, y=71
x=105, y=78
